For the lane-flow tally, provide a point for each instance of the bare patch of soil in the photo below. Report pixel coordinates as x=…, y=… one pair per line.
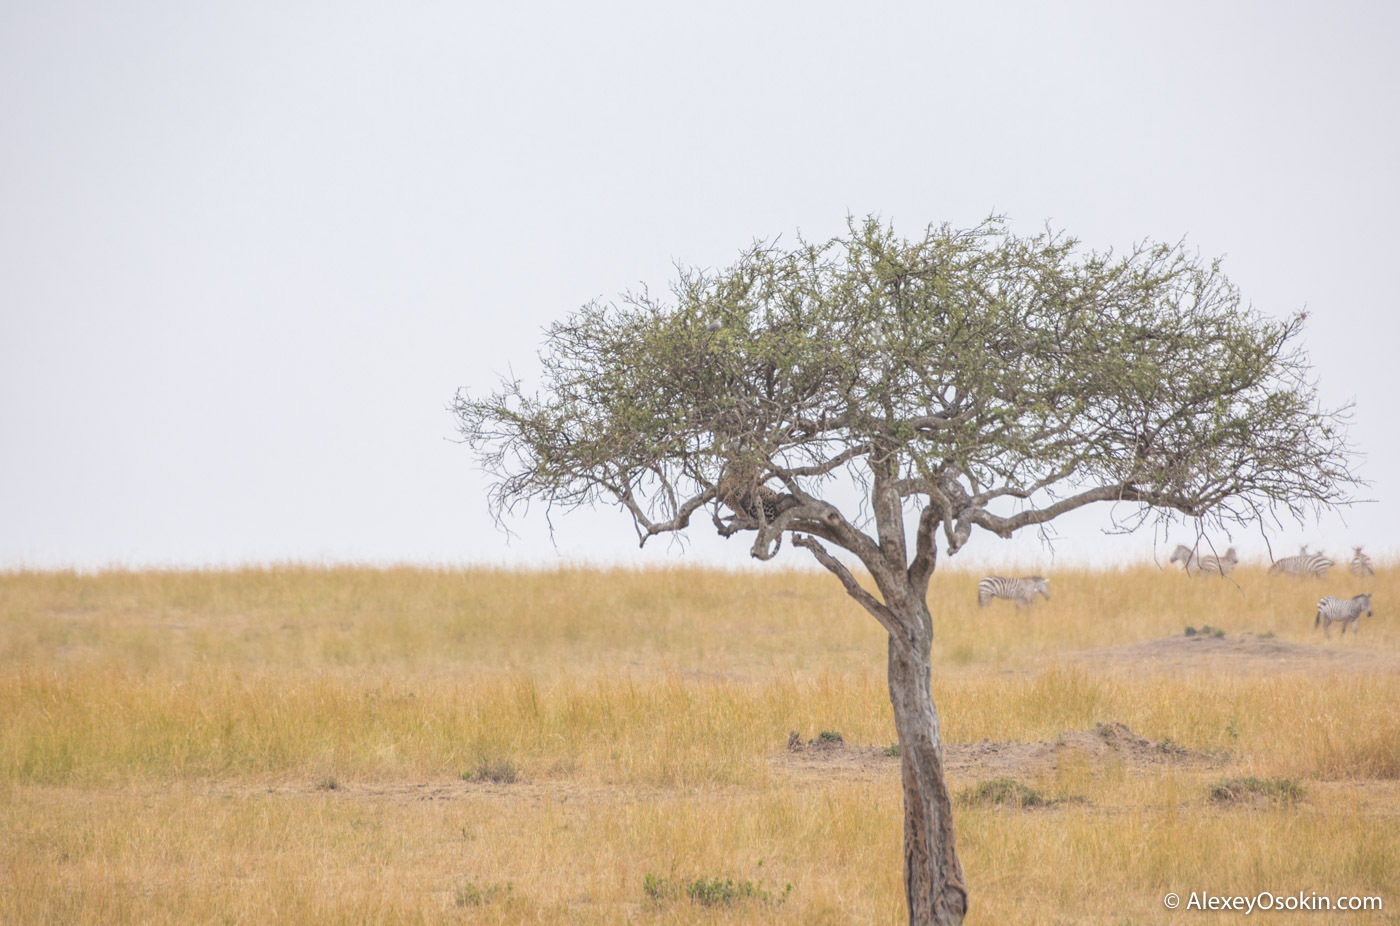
x=453, y=789
x=1239, y=652
x=1106, y=743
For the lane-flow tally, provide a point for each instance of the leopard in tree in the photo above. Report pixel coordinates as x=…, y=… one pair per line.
x=739, y=490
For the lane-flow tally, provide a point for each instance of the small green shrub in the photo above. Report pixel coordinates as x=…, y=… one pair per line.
x=892, y=749
x=1004, y=791
x=712, y=892
x=469, y=895
x=329, y=783
x=1238, y=790
x=659, y=888
x=829, y=736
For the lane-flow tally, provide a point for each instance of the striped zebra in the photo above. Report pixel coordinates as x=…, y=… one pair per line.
x=1361, y=564
x=1304, y=564
x=1345, y=610
x=1022, y=590
x=1204, y=565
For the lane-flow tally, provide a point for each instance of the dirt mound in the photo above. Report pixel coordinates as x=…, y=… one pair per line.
x=1236, y=651
x=831, y=756
x=1108, y=742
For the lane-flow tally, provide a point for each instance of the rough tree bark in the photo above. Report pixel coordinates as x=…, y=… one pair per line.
x=933, y=876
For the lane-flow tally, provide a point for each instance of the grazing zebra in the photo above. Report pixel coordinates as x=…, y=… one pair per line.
x=1361, y=564
x=1022, y=591
x=1345, y=610
x=1204, y=565
x=1304, y=564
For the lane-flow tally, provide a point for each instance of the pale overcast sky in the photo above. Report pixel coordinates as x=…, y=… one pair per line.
x=249, y=251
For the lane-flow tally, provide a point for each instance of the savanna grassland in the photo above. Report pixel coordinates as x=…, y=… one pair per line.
x=354, y=745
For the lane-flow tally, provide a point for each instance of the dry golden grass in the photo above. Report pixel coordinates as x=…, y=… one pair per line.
x=289, y=745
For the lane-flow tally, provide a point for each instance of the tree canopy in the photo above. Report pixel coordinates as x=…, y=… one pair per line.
x=1001, y=380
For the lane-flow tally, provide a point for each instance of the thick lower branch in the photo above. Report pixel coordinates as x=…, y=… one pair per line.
x=853, y=588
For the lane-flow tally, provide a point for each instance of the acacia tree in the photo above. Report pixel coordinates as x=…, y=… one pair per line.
x=966, y=379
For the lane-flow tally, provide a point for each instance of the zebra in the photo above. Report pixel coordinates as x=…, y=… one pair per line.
x=1304, y=564
x=1345, y=610
x=1361, y=564
x=1204, y=565
x=1022, y=590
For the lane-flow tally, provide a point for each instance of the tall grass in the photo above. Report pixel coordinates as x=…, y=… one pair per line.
x=165, y=733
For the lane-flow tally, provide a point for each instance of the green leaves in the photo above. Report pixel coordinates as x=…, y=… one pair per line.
x=1012, y=364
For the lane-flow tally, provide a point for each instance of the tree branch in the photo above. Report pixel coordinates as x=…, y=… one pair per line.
x=819, y=469
x=853, y=588
x=889, y=512
x=679, y=522
x=925, y=551
x=1123, y=492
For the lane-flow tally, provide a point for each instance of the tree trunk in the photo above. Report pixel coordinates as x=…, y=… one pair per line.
x=933, y=877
